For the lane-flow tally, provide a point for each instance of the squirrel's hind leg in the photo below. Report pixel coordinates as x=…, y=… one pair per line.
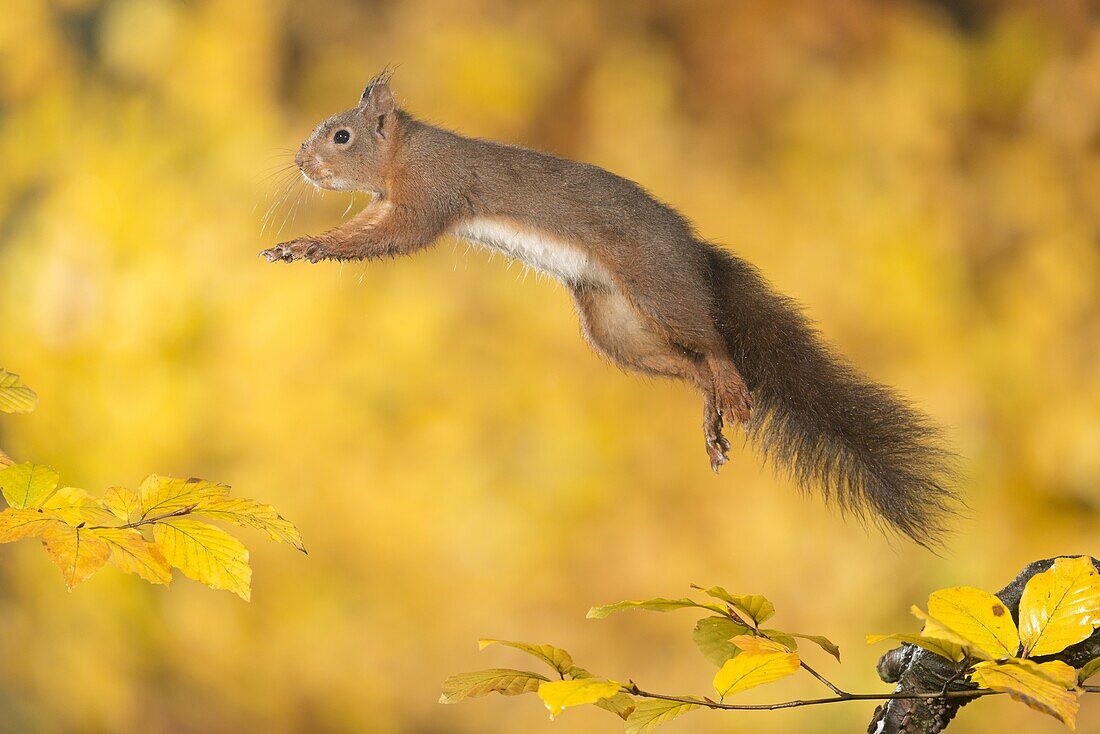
x=615, y=330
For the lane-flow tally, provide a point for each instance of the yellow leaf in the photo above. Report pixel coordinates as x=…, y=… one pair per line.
x=132, y=553
x=75, y=506
x=620, y=704
x=1060, y=607
x=250, y=513
x=77, y=552
x=122, y=502
x=483, y=682
x=1042, y=687
x=561, y=694
x=16, y=524
x=5, y=460
x=27, y=485
x=758, y=608
x=943, y=648
x=938, y=631
x=977, y=616
x=205, y=553
x=15, y=397
x=650, y=713
x=750, y=670
x=555, y=657
x=712, y=636
x=652, y=605
x=753, y=645
x=821, y=641
x=159, y=496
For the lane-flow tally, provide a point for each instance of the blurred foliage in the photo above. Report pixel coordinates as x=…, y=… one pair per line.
x=922, y=175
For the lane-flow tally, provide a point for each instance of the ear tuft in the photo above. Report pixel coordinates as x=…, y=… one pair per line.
x=377, y=93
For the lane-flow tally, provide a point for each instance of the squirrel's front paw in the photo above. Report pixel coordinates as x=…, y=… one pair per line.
x=301, y=248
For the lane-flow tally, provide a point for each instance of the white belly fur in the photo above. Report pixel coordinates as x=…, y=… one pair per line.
x=536, y=249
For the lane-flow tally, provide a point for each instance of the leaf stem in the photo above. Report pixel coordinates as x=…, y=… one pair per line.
x=829, y=684
x=146, y=520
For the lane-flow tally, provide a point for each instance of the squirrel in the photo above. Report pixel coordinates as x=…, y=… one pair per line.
x=652, y=296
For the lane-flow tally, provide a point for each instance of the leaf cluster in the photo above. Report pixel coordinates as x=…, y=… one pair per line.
x=974, y=630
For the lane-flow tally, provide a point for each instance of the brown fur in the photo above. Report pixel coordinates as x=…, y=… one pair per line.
x=651, y=295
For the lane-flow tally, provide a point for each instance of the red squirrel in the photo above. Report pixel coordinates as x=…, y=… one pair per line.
x=651, y=295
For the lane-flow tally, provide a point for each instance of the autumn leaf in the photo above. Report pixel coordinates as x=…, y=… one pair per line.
x=1060, y=607
x=758, y=608
x=943, y=648
x=132, y=553
x=555, y=657
x=712, y=636
x=16, y=524
x=76, y=551
x=648, y=714
x=483, y=682
x=159, y=496
x=821, y=641
x=1049, y=687
x=561, y=694
x=934, y=629
x=27, y=485
x=122, y=502
x=75, y=506
x=977, y=616
x=620, y=704
x=652, y=605
x=754, y=645
x=15, y=397
x=750, y=670
x=205, y=553
x=250, y=513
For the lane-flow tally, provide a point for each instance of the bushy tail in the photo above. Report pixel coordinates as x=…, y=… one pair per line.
x=827, y=425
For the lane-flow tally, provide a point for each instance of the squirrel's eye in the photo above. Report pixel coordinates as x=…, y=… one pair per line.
x=341, y=137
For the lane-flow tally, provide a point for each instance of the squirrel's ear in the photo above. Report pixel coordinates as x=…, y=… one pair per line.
x=378, y=106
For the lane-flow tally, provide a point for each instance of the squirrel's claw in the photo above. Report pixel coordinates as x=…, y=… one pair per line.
x=294, y=250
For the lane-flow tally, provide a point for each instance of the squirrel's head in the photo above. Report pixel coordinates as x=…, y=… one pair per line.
x=349, y=151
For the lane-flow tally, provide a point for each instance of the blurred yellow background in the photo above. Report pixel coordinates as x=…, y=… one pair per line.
x=922, y=175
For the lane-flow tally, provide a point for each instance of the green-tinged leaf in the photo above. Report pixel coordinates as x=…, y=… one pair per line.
x=755, y=645
x=122, y=502
x=253, y=514
x=934, y=629
x=15, y=397
x=132, y=553
x=77, y=552
x=1060, y=607
x=758, y=608
x=650, y=713
x=712, y=636
x=27, y=485
x=1088, y=670
x=979, y=617
x=5, y=460
x=160, y=496
x=555, y=657
x=943, y=648
x=751, y=670
x=205, y=553
x=652, y=605
x=821, y=641
x=1042, y=687
x=483, y=682
x=75, y=506
x=561, y=694
x=16, y=524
